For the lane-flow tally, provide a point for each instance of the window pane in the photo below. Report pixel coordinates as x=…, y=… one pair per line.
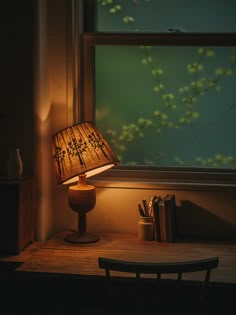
x=162, y=16
x=168, y=106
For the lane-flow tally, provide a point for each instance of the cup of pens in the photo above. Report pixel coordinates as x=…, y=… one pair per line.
x=145, y=223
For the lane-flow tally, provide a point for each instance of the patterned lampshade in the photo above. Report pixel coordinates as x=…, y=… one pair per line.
x=81, y=149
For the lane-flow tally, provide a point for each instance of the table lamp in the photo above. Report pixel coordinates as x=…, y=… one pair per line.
x=80, y=151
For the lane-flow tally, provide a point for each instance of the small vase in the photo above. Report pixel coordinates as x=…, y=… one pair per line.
x=15, y=164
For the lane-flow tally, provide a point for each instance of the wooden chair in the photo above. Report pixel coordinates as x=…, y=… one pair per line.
x=165, y=296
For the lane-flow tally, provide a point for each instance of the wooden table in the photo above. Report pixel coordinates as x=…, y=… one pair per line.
x=56, y=275
x=59, y=257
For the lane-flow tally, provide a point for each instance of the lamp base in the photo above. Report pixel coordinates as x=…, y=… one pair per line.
x=84, y=238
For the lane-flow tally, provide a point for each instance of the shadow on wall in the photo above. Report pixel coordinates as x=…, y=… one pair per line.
x=194, y=221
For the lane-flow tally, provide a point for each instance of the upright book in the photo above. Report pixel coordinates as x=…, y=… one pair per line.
x=170, y=212
x=162, y=220
x=155, y=211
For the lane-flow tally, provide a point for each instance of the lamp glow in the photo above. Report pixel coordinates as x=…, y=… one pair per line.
x=80, y=151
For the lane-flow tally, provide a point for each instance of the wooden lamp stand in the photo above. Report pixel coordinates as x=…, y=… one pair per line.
x=82, y=199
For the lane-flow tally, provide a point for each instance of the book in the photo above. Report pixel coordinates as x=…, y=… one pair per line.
x=156, y=219
x=162, y=220
x=170, y=212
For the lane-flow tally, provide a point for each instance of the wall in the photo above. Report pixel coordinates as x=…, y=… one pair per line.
x=53, y=103
x=201, y=213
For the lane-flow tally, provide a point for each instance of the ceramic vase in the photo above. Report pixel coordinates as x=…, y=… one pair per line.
x=15, y=164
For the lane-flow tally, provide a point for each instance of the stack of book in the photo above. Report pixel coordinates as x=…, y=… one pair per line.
x=164, y=214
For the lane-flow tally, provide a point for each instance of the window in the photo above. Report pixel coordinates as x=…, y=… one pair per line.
x=163, y=92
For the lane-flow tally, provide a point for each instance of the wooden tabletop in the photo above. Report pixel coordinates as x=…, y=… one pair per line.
x=59, y=257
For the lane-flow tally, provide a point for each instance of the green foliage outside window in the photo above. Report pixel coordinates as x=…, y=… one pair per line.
x=176, y=112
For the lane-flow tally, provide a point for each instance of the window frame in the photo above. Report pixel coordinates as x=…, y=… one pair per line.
x=206, y=178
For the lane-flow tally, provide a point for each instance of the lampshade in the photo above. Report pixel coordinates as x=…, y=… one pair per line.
x=81, y=149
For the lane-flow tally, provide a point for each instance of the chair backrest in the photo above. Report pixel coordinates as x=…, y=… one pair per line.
x=159, y=269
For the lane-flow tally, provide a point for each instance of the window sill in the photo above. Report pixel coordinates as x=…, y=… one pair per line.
x=168, y=178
